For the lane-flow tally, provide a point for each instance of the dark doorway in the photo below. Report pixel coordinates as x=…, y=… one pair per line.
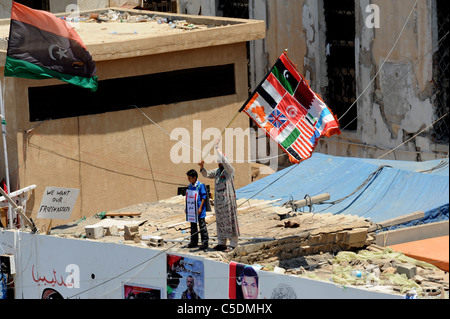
x=340, y=39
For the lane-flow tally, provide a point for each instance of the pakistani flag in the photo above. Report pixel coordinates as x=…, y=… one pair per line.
x=42, y=46
x=290, y=112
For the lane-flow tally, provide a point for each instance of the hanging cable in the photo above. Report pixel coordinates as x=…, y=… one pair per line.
x=431, y=125
x=368, y=179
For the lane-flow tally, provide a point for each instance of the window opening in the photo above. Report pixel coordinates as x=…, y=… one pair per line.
x=234, y=9
x=441, y=73
x=340, y=38
x=160, y=6
x=66, y=100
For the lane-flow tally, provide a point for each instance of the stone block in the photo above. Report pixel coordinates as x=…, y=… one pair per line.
x=94, y=231
x=112, y=231
x=340, y=236
x=315, y=239
x=131, y=229
x=355, y=236
x=155, y=241
x=409, y=270
x=251, y=248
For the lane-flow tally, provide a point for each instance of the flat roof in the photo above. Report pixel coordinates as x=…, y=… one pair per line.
x=259, y=221
x=265, y=228
x=115, y=33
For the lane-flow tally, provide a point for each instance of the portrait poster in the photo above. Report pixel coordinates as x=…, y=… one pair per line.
x=243, y=281
x=191, y=206
x=133, y=291
x=185, y=278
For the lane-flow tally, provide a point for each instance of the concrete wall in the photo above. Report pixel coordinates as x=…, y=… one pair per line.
x=100, y=269
x=81, y=5
x=118, y=159
x=398, y=103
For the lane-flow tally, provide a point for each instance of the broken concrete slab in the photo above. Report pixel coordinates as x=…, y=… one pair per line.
x=409, y=270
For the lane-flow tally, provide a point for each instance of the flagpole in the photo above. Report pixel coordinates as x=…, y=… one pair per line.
x=5, y=152
x=245, y=104
x=223, y=131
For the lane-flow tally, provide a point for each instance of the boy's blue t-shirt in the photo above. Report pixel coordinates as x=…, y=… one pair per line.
x=200, y=187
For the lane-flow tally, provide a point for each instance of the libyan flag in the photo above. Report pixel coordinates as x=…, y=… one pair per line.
x=42, y=46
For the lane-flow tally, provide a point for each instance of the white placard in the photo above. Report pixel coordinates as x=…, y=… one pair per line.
x=191, y=206
x=57, y=203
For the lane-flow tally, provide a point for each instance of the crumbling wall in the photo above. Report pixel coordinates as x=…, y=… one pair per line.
x=397, y=102
x=320, y=240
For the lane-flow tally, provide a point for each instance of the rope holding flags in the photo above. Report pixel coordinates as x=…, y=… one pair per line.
x=286, y=108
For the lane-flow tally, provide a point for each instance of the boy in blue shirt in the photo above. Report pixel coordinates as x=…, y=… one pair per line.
x=196, y=186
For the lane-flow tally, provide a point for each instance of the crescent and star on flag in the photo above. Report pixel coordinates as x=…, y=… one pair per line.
x=61, y=52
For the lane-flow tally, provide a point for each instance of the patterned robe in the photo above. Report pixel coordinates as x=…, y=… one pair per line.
x=224, y=199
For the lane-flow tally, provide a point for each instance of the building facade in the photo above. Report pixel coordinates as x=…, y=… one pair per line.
x=381, y=66
x=161, y=92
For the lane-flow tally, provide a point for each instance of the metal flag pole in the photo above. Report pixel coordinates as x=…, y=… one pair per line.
x=221, y=134
x=5, y=152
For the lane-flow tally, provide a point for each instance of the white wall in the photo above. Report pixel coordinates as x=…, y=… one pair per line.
x=104, y=269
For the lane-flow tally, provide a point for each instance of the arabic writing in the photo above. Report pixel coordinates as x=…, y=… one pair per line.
x=55, y=279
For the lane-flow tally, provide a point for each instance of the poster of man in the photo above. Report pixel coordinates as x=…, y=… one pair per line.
x=243, y=282
x=185, y=278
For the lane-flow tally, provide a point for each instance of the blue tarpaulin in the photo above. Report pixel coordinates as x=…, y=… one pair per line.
x=389, y=189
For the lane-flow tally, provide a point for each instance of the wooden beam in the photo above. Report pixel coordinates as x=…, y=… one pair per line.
x=397, y=221
x=122, y=214
x=313, y=200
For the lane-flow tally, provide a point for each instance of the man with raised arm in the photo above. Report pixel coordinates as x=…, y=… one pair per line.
x=224, y=201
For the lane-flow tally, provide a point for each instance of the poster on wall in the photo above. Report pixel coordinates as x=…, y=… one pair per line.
x=57, y=203
x=243, y=281
x=185, y=278
x=133, y=291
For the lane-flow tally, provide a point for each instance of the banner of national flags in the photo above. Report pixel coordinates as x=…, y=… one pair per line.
x=42, y=46
x=286, y=108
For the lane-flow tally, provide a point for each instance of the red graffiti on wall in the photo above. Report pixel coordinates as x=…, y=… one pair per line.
x=42, y=279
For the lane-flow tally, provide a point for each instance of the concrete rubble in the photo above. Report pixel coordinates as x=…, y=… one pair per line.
x=318, y=246
x=110, y=16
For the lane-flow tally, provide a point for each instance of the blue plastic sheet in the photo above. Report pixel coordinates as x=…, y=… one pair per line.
x=398, y=188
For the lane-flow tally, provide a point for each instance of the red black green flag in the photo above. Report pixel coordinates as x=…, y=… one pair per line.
x=42, y=46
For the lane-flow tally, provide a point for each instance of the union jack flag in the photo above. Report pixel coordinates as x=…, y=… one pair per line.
x=277, y=119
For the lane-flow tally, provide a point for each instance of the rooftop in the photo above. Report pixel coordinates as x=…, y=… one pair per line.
x=319, y=246
x=114, y=33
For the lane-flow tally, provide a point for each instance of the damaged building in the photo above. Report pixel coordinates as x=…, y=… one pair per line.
x=385, y=78
x=181, y=73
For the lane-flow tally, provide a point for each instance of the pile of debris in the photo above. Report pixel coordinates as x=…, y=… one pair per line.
x=125, y=17
x=376, y=268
